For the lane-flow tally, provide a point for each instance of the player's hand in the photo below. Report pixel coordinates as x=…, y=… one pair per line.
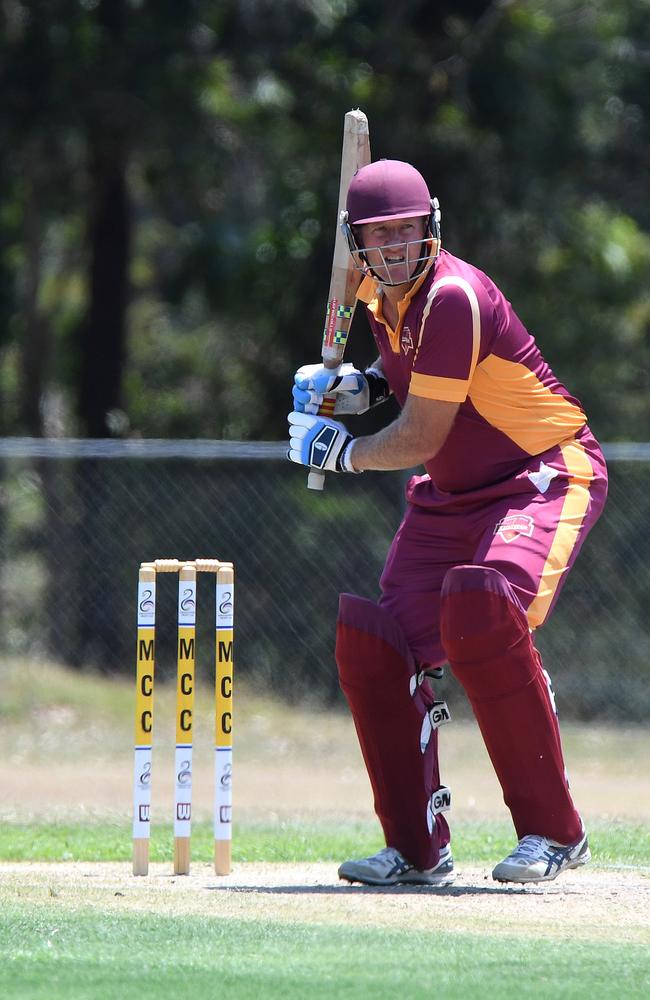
x=353, y=391
x=313, y=382
x=319, y=443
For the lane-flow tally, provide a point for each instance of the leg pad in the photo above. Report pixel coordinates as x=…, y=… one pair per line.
x=486, y=637
x=392, y=707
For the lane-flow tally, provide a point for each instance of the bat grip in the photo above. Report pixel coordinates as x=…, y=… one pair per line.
x=316, y=478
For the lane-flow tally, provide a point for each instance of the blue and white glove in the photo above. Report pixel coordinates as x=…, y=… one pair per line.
x=319, y=443
x=354, y=391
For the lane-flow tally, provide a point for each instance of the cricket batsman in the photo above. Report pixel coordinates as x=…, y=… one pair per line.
x=514, y=481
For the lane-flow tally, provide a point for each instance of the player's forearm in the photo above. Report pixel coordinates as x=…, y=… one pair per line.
x=394, y=447
x=414, y=438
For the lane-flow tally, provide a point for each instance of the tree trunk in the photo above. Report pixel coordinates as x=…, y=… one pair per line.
x=103, y=341
x=103, y=344
x=35, y=345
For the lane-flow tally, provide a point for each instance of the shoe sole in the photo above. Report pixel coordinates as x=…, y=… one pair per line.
x=522, y=879
x=439, y=882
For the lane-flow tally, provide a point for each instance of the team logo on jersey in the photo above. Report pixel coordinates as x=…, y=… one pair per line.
x=514, y=525
x=407, y=340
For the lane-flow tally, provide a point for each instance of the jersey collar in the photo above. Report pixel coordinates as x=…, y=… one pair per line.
x=371, y=292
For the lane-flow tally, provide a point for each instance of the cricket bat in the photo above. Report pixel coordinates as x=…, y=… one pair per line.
x=345, y=278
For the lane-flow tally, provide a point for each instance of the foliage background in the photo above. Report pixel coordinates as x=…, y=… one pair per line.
x=169, y=184
x=170, y=175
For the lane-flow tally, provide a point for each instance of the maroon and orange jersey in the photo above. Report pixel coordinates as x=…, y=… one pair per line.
x=459, y=340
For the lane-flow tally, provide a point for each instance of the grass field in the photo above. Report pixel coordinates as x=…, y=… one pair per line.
x=74, y=923
x=86, y=953
x=612, y=843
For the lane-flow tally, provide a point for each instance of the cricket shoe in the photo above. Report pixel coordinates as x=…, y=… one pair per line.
x=389, y=867
x=538, y=859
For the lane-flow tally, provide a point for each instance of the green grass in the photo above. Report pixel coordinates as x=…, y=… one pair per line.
x=32, y=687
x=94, y=956
x=69, y=936
x=612, y=843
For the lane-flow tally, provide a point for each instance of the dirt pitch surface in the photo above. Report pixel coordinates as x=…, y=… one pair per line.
x=588, y=904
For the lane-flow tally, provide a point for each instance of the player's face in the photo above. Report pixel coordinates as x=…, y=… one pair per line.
x=393, y=248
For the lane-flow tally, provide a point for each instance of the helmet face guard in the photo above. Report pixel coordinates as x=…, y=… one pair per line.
x=386, y=191
x=428, y=248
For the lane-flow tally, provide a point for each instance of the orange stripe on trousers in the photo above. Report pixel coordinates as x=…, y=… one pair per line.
x=574, y=509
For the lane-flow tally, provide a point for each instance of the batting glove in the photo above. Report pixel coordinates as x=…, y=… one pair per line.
x=319, y=443
x=354, y=391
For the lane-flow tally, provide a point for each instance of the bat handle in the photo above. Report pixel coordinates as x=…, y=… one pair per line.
x=316, y=478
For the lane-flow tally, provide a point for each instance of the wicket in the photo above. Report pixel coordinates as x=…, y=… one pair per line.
x=185, y=684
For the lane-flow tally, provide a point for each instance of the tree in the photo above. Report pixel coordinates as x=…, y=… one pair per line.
x=172, y=178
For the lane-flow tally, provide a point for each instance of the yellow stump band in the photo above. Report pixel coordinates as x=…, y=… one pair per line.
x=185, y=684
x=144, y=686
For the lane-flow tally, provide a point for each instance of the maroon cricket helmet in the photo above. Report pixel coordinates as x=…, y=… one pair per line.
x=386, y=190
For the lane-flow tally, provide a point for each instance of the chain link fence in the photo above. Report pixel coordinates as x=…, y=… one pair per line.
x=78, y=517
